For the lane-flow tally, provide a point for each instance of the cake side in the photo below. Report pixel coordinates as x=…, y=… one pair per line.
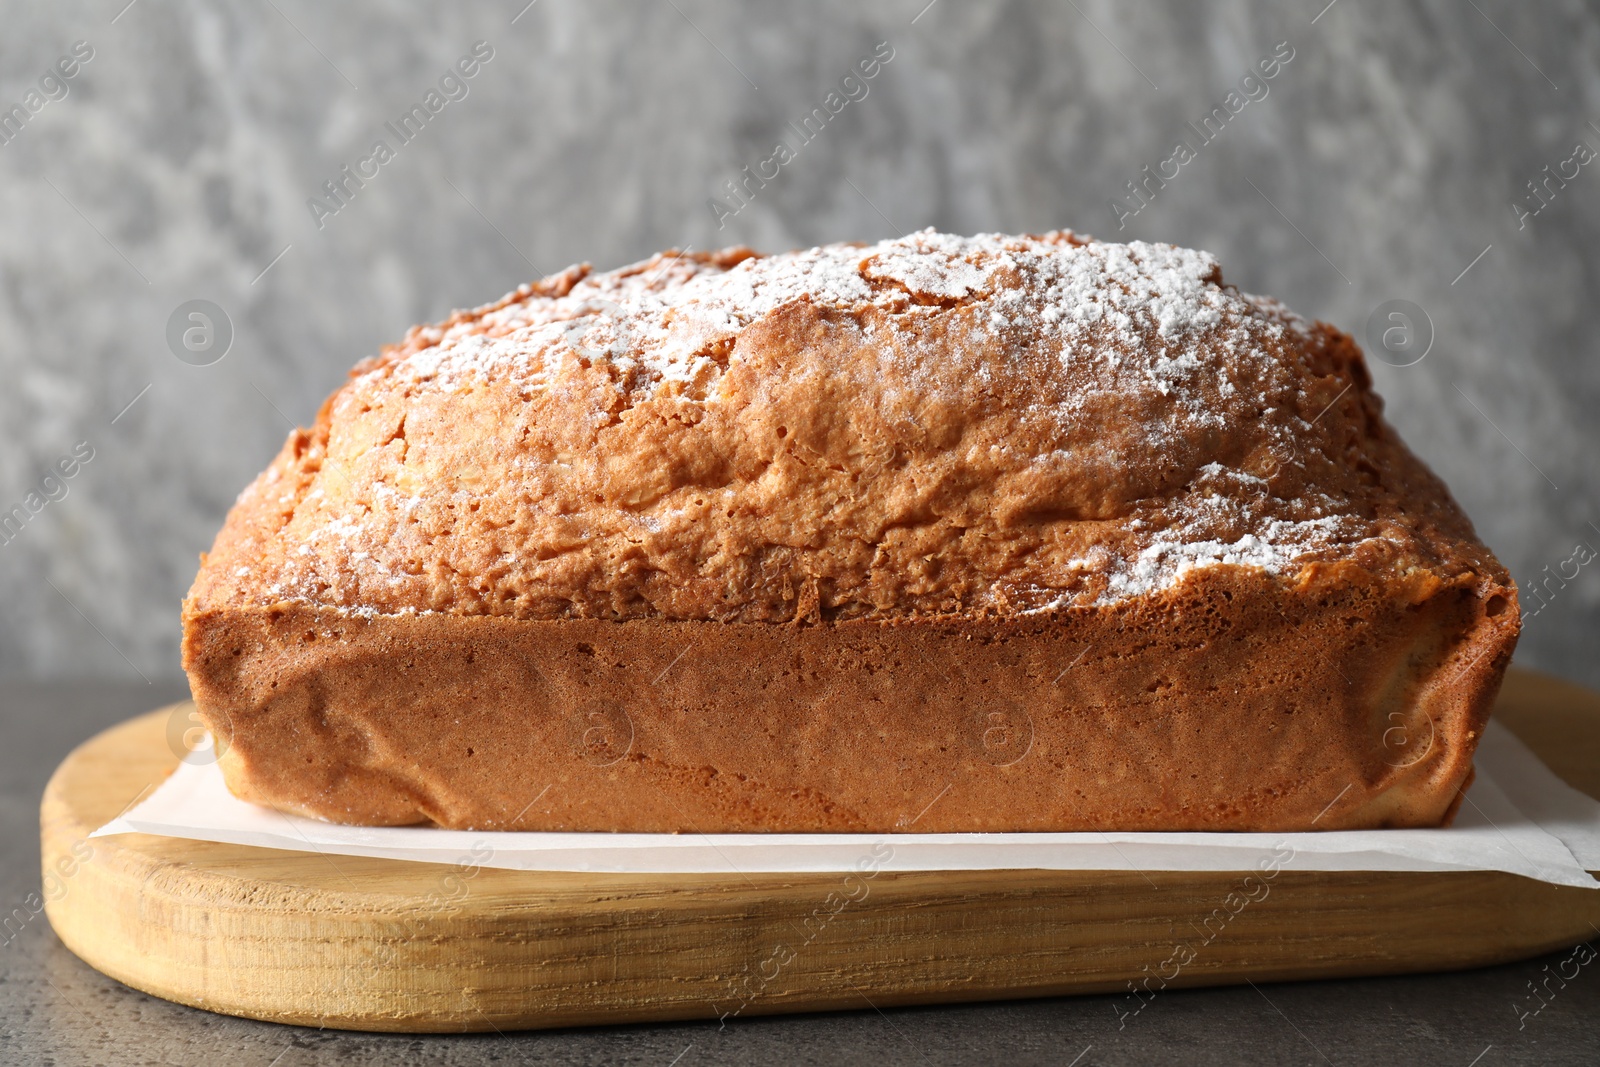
x=1228, y=702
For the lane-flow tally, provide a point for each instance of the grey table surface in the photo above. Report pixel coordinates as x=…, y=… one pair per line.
x=54, y=1009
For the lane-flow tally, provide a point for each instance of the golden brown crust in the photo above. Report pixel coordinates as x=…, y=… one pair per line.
x=1220, y=705
x=1054, y=442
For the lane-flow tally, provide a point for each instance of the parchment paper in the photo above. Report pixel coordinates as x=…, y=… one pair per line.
x=1517, y=817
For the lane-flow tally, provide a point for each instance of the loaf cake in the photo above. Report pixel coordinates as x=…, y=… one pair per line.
x=940, y=534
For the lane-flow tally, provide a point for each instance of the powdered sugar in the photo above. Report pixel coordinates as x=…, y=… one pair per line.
x=1156, y=302
x=933, y=265
x=1168, y=558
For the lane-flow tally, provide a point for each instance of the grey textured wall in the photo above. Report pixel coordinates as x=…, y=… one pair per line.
x=1384, y=159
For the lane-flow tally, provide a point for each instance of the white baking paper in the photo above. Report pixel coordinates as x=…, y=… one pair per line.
x=1518, y=817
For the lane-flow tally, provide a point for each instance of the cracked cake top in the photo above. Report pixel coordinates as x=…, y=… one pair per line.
x=928, y=425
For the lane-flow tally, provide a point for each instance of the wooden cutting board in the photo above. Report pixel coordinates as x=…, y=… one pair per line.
x=369, y=944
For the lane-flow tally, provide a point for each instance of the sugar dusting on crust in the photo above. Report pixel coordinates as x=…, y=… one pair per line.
x=666, y=313
x=958, y=424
